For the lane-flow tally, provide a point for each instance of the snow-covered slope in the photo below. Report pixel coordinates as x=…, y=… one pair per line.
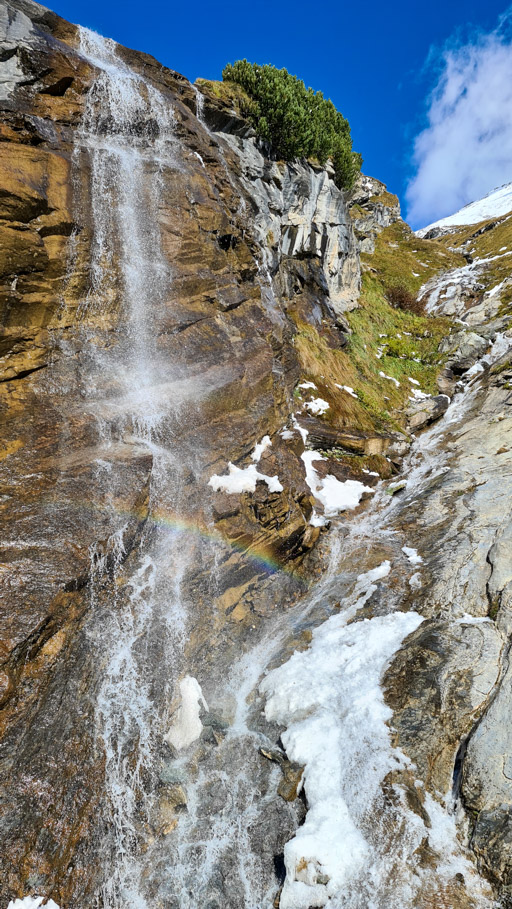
x=493, y=205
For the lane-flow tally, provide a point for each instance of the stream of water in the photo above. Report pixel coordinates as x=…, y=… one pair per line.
x=127, y=139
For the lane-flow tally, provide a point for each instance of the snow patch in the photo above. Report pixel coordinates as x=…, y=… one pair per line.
x=417, y=395
x=391, y=379
x=31, y=902
x=334, y=495
x=317, y=520
x=412, y=555
x=307, y=385
x=347, y=388
x=415, y=581
x=498, y=287
x=240, y=480
x=260, y=448
x=187, y=726
x=317, y=405
x=474, y=370
x=303, y=432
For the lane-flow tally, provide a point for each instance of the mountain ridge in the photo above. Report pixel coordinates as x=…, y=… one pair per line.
x=494, y=204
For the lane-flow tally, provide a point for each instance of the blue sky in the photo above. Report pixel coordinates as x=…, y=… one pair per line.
x=379, y=62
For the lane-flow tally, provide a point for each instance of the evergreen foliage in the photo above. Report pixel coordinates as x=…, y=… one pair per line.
x=298, y=122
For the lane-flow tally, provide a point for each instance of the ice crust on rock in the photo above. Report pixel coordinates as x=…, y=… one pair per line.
x=187, y=726
x=330, y=700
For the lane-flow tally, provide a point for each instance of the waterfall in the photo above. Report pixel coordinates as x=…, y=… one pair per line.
x=127, y=131
x=127, y=141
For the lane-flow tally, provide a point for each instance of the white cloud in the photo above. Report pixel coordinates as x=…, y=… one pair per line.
x=466, y=150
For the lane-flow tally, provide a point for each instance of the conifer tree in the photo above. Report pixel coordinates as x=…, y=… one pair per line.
x=295, y=120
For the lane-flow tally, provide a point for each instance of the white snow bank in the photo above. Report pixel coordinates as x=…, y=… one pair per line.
x=391, y=378
x=31, y=902
x=243, y=480
x=260, y=448
x=317, y=405
x=317, y=520
x=413, y=381
x=338, y=496
x=329, y=698
x=412, y=555
x=186, y=726
x=333, y=494
x=307, y=385
x=493, y=205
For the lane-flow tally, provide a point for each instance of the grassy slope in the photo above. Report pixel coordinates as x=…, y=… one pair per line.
x=229, y=93
x=409, y=343
x=402, y=258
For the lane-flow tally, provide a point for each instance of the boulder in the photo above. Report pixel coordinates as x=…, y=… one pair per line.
x=425, y=411
x=464, y=349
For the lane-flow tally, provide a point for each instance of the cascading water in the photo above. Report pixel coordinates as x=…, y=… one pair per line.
x=127, y=132
x=127, y=139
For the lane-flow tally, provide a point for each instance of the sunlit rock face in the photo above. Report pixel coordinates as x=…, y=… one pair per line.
x=143, y=349
x=372, y=208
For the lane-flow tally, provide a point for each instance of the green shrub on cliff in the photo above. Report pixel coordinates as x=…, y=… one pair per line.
x=298, y=122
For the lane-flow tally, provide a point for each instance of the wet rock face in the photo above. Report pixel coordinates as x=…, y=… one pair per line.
x=449, y=686
x=437, y=687
x=464, y=348
x=114, y=422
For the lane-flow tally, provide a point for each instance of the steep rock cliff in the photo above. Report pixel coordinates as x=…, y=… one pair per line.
x=87, y=376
